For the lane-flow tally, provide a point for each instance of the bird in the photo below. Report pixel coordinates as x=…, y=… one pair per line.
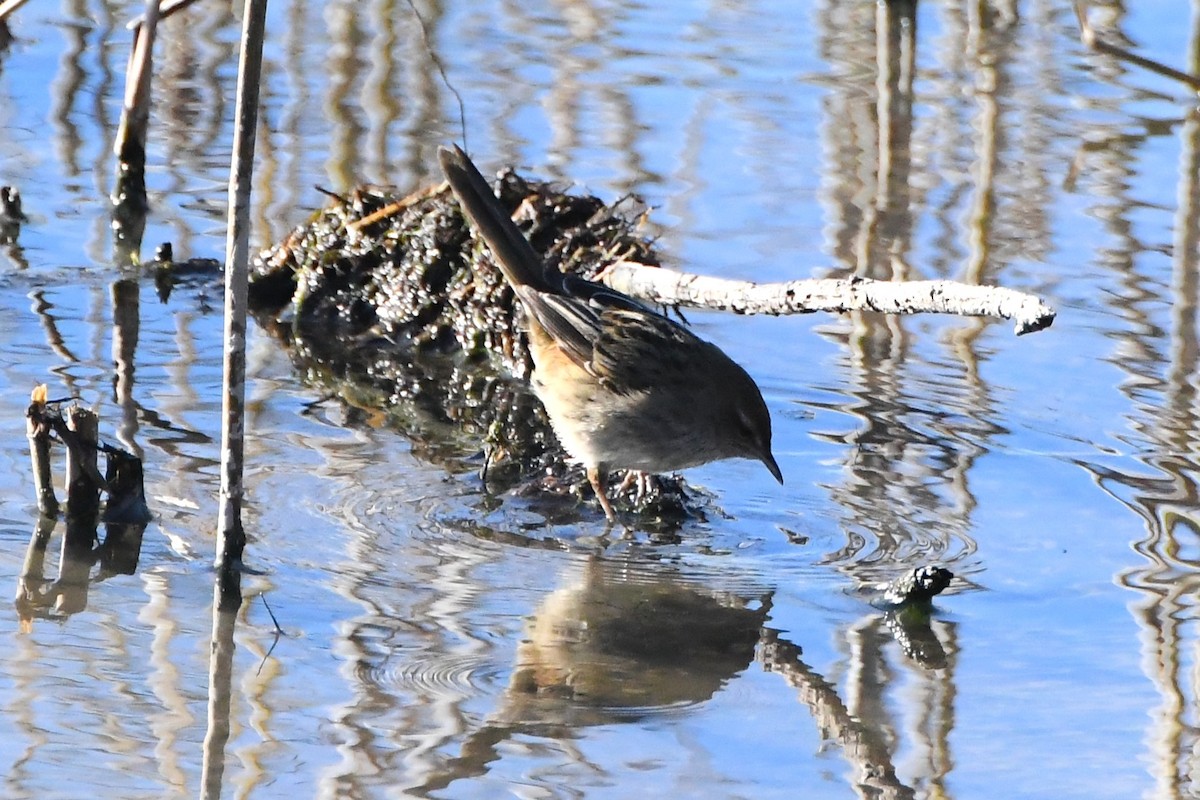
x=625, y=387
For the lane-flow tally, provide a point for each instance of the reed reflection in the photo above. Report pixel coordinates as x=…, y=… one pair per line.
x=347, y=62
x=227, y=600
x=861, y=723
x=1161, y=489
x=190, y=121
x=68, y=89
x=79, y=114
x=924, y=417
x=1154, y=328
x=117, y=553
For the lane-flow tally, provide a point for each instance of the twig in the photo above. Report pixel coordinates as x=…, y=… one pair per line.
x=275, y=622
x=278, y=634
x=1092, y=41
x=668, y=287
x=332, y=195
x=391, y=209
x=432, y=52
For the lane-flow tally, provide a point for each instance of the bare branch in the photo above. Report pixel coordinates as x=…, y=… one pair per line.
x=668, y=287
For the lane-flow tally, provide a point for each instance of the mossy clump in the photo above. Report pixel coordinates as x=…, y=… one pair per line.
x=391, y=302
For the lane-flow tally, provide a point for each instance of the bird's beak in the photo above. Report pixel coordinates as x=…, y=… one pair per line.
x=769, y=461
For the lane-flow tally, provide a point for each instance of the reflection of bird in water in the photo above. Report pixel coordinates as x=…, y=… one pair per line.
x=625, y=387
x=613, y=644
x=613, y=648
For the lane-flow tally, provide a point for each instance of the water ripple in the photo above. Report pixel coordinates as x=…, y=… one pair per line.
x=431, y=674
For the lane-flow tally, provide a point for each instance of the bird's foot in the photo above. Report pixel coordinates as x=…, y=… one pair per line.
x=646, y=486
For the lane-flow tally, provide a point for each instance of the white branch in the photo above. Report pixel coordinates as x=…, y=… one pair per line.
x=668, y=287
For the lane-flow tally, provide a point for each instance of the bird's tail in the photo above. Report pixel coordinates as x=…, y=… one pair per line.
x=517, y=259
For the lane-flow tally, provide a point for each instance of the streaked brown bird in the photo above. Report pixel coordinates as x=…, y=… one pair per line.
x=625, y=387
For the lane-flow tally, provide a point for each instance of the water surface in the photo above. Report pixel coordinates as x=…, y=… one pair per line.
x=436, y=642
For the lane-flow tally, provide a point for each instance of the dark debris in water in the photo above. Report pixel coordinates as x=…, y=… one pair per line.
x=391, y=303
x=196, y=273
x=908, y=604
x=918, y=586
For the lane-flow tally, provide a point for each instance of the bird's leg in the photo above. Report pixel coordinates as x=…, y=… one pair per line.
x=596, y=479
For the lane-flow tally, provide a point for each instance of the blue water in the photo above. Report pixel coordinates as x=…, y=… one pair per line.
x=1055, y=473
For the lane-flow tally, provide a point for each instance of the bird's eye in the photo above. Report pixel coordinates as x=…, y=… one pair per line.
x=745, y=427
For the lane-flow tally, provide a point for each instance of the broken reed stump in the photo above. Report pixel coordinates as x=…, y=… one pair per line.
x=78, y=430
x=83, y=478
x=129, y=200
x=125, y=515
x=38, y=432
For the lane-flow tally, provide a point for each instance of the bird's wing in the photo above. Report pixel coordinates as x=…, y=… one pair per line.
x=600, y=329
x=600, y=296
x=573, y=324
x=638, y=349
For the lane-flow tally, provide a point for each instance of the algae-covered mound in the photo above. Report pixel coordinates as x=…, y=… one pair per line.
x=392, y=303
